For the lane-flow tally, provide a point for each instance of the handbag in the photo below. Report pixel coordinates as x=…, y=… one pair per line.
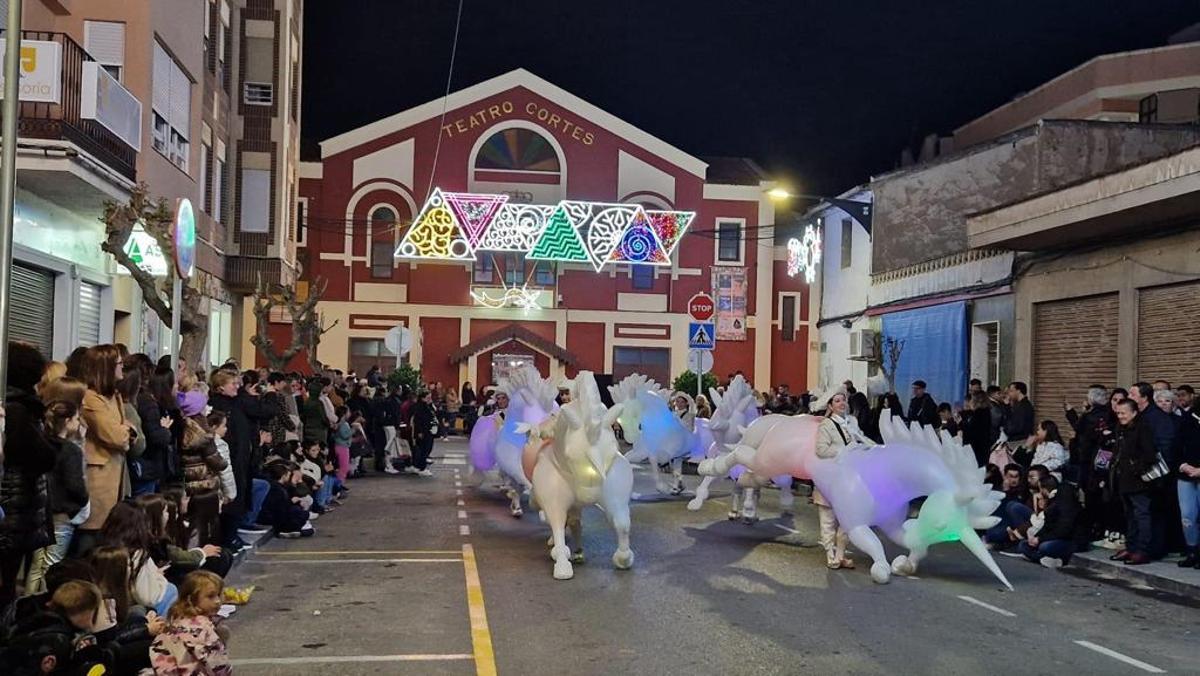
x=1157, y=471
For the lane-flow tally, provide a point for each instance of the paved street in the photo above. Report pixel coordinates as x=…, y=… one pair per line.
x=390, y=584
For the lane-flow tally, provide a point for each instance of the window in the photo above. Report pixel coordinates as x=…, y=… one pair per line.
x=847, y=242
x=514, y=269
x=729, y=241
x=205, y=187
x=105, y=41
x=383, y=221
x=368, y=352
x=642, y=275
x=224, y=42
x=1148, y=109
x=483, y=272
x=543, y=273
x=256, y=200
x=208, y=51
x=652, y=362
x=301, y=214
x=219, y=196
x=258, y=93
x=787, y=318
x=172, y=108
x=294, y=95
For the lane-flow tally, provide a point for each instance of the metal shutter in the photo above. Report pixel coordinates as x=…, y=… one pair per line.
x=31, y=312
x=1074, y=345
x=105, y=41
x=161, y=85
x=89, y=314
x=181, y=101
x=1168, y=323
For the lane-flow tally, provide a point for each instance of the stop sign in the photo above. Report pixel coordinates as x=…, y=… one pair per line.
x=701, y=307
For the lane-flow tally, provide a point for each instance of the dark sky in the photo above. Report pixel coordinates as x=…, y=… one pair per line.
x=822, y=92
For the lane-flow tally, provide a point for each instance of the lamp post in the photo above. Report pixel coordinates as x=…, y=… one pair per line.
x=8, y=173
x=859, y=211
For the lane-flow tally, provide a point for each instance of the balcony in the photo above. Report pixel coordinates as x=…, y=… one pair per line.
x=80, y=149
x=242, y=272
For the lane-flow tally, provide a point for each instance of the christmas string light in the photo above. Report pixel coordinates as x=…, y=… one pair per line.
x=804, y=255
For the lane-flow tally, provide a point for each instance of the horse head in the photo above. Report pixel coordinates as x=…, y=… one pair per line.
x=734, y=411
x=587, y=422
x=631, y=392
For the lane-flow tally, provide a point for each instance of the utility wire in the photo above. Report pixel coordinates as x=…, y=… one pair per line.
x=445, y=99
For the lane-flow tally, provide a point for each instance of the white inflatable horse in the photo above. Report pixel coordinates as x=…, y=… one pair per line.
x=581, y=466
x=648, y=422
x=873, y=487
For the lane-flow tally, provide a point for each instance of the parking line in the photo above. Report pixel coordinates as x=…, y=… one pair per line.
x=1149, y=668
x=358, y=552
x=481, y=637
x=462, y=514
x=458, y=491
x=981, y=604
x=339, y=659
x=464, y=529
x=459, y=503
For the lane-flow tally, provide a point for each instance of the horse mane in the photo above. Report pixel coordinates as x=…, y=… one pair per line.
x=737, y=392
x=971, y=489
x=632, y=385
x=533, y=387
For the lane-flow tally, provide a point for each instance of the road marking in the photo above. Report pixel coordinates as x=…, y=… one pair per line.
x=989, y=606
x=1149, y=668
x=459, y=503
x=464, y=529
x=453, y=461
x=793, y=531
x=454, y=455
x=294, y=562
x=481, y=637
x=462, y=514
x=341, y=659
x=350, y=552
x=458, y=484
x=458, y=491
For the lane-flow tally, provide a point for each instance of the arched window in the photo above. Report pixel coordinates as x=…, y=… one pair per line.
x=517, y=149
x=383, y=224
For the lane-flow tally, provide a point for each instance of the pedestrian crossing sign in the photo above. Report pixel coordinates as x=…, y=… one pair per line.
x=701, y=336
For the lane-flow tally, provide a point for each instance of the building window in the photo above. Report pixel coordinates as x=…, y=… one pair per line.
x=368, y=352
x=105, y=41
x=484, y=270
x=543, y=273
x=294, y=96
x=642, y=275
x=206, y=187
x=301, y=214
x=224, y=49
x=847, y=242
x=258, y=93
x=171, y=108
x=219, y=197
x=514, y=269
x=787, y=318
x=383, y=223
x=652, y=362
x=256, y=201
x=729, y=241
x=1148, y=109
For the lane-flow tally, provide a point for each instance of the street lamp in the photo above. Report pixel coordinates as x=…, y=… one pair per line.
x=859, y=211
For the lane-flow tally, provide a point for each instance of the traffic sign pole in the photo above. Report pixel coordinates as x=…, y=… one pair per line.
x=8, y=175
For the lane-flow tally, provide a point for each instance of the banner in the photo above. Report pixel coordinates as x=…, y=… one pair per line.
x=41, y=70
x=729, y=286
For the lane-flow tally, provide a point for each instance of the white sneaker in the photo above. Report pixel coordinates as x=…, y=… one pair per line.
x=289, y=536
x=313, y=516
x=410, y=470
x=1051, y=562
x=424, y=472
x=391, y=470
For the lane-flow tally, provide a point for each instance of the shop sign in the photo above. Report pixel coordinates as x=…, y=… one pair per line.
x=41, y=71
x=145, y=252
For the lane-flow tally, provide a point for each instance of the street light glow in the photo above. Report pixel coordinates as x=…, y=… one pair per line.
x=778, y=194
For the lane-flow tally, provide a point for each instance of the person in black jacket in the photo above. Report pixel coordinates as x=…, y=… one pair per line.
x=28, y=457
x=977, y=426
x=1019, y=425
x=1060, y=535
x=424, y=430
x=243, y=413
x=280, y=511
x=1136, y=453
x=922, y=408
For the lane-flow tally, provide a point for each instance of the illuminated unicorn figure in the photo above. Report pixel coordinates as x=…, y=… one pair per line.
x=656, y=432
x=735, y=411
x=872, y=487
x=495, y=442
x=580, y=466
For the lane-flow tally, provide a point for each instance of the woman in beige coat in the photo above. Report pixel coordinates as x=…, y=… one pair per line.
x=838, y=430
x=108, y=435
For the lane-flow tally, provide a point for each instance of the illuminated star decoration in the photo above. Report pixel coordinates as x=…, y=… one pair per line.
x=435, y=233
x=523, y=298
x=804, y=255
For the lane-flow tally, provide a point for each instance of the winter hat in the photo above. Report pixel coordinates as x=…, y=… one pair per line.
x=192, y=403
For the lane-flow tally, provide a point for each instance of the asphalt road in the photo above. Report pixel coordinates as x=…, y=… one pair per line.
x=404, y=579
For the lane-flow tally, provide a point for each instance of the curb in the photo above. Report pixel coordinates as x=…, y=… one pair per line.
x=1155, y=575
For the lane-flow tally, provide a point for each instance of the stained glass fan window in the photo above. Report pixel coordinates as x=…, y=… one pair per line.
x=517, y=150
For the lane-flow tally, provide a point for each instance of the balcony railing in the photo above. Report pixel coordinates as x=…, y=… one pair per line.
x=63, y=120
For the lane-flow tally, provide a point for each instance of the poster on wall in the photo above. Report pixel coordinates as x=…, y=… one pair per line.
x=729, y=286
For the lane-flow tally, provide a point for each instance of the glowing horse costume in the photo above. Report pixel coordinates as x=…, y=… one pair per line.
x=657, y=432
x=734, y=413
x=872, y=487
x=580, y=466
x=495, y=442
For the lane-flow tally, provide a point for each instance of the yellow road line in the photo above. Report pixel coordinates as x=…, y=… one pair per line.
x=481, y=637
x=360, y=552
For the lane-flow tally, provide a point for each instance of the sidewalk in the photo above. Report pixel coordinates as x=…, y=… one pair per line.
x=1162, y=575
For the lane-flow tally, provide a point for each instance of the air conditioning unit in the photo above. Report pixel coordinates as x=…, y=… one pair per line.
x=862, y=345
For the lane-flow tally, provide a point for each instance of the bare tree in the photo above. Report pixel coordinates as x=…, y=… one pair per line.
x=307, y=324
x=887, y=357
x=157, y=219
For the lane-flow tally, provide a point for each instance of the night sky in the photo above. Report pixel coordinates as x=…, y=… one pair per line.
x=822, y=93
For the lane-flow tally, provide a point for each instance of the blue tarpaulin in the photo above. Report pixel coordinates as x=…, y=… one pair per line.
x=935, y=350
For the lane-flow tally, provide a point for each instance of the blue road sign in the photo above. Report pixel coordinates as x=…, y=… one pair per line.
x=701, y=336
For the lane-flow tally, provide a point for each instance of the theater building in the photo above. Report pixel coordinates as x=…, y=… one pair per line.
x=474, y=312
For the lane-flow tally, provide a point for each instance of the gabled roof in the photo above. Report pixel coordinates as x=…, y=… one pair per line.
x=512, y=332
x=501, y=83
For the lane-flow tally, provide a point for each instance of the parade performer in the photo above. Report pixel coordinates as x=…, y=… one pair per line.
x=656, y=432
x=522, y=398
x=838, y=430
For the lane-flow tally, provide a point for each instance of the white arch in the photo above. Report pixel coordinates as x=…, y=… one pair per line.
x=518, y=124
x=362, y=192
